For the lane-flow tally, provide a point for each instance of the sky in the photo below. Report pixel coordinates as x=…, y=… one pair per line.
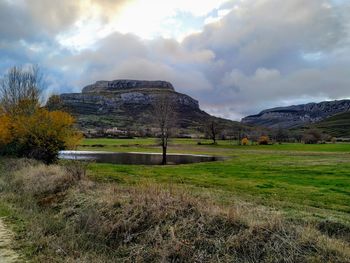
x=236, y=57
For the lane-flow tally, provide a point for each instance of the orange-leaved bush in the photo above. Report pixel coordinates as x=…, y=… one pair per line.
x=5, y=134
x=264, y=140
x=245, y=141
x=40, y=134
x=26, y=129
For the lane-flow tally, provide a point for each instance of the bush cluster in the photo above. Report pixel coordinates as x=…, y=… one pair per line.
x=26, y=128
x=245, y=141
x=36, y=133
x=264, y=140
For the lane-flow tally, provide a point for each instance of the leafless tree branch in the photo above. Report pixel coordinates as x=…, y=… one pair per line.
x=165, y=118
x=20, y=84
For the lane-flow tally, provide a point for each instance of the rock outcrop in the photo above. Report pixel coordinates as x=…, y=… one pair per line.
x=297, y=115
x=127, y=104
x=127, y=84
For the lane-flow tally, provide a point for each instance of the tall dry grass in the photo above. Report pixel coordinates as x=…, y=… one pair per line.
x=72, y=219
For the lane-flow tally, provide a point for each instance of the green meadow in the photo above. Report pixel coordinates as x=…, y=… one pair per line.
x=303, y=181
x=272, y=203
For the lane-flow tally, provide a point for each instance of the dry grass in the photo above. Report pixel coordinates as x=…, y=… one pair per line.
x=42, y=180
x=95, y=222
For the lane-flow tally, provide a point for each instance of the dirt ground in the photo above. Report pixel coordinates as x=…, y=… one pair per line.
x=7, y=254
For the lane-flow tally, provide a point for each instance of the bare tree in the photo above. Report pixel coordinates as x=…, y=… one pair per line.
x=239, y=135
x=281, y=135
x=19, y=85
x=164, y=117
x=213, y=129
x=312, y=136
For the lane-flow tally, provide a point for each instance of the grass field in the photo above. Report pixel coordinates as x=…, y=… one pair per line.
x=275, y=203
x=302, y=180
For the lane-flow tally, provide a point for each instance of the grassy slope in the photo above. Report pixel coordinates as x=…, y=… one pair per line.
x=293, y=176
x=338, y=125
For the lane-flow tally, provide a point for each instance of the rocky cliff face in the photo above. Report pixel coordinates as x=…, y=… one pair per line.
x=128, y=104
x=297, y=115
x=126, y=84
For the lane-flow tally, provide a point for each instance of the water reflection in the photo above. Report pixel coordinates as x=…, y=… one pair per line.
x=135, y=158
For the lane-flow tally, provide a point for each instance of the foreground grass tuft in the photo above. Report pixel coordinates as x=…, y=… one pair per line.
x=69, y=218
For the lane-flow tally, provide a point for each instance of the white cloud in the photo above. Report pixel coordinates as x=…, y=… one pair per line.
x=253, y=54
x=220, y=14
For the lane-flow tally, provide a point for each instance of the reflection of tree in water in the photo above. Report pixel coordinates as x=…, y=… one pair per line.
x=136, y=158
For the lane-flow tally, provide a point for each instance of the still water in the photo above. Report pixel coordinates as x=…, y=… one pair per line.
x=135, y=158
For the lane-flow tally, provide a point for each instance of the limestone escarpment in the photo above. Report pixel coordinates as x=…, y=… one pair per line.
x=297, y=115
x=127, y=84
x=128, y=104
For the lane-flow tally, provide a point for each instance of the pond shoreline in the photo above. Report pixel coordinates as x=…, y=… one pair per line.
x=137, y=158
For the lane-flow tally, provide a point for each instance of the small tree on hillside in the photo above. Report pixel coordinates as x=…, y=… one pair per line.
x=165, y=118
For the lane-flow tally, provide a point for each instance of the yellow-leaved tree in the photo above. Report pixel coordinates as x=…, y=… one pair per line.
x=43, y=134
x=26, y=128
x=5, y=134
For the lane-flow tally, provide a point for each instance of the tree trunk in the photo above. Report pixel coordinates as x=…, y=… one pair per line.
x=164, y=155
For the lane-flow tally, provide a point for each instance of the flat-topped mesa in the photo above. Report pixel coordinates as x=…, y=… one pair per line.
x=128, y=104
x=127, y=84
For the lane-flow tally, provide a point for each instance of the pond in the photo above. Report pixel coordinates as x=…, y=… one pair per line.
x=135, y=157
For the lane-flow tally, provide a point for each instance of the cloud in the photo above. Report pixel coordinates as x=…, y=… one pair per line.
x=13, y=21
x=245, y=56
x=53, y=16
x=255, y=34
x=268, y=87
x=261, y=54
x=127, y=56
x=28, y=20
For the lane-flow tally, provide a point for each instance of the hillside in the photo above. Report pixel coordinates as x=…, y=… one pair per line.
x=337, y=125
x=127, y=104
x=297, y=115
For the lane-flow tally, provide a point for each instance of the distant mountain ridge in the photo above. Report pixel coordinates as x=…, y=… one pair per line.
x=297, y=115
